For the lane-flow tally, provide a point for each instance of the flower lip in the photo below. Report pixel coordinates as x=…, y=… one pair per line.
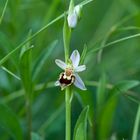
x=65, y=80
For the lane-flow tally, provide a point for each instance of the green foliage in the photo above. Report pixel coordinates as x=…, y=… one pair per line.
x=86, y=99
x=136, y=125
x=101, y=90
x=35, y=136
x=83, y=55
x=25, y=67
x=44, y=56
x=80, y=130
x=111, y=31
x=10, y=122
x=108, y=111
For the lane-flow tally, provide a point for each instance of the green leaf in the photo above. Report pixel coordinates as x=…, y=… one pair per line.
x=71, y=6
x=4, y=10
x=43, y=58
x=10, y=122
x=25, y=67
x=26, y=78
x=101, y=90
x=106, y=118
x=25, y=70
x=85, y=2
x=49, y=122
x=136, y=125
x=83, y=55
x=11, y=73
x=123, y=86
x=133, y=97
x=80, y=130
x=35, y=136
x=86, y=99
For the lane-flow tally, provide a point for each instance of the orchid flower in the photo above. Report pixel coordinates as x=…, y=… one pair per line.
x=70, y=74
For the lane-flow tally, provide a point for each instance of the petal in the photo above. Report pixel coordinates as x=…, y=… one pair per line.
x=57, y=83
x=75, y=58
x=61, y=64
x=80, y=68
x=79, y=83
x=72, y=19
x=77, y=10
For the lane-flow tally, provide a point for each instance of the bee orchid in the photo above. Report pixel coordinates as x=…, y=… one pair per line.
x=70, y=75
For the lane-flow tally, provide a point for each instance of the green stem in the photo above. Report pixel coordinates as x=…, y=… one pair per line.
x=136, y=125
x=66, y=39
x=68, y=113
x=29, y=117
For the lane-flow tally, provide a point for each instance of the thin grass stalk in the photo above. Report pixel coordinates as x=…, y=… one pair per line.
x=29, y=117
x=136, y=125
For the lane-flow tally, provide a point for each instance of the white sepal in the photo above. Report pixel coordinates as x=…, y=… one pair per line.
x=79, y=83
x=80, y=68
x=61, y=64
x=57, y=83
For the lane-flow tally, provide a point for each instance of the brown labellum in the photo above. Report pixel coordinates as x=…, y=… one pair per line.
x=65, y=79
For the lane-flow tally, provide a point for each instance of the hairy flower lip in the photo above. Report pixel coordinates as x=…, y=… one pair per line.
x=72, y=70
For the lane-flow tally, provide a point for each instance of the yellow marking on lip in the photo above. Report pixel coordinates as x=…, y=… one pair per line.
x=69, y=71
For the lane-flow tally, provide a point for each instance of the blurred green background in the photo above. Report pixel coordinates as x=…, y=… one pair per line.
x=102, y=22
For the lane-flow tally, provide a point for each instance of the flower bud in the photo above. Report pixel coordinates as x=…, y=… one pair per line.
x=78, y=9
x=73, y=16
x=72, y=19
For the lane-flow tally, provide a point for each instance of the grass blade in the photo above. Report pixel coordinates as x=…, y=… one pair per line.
x=83, y=55
x=43, y=58
x=10, y=122
x=136, y=125
x=3, y=12
x=106, y=118
x=11, y=73
x=101, y=91
x=80, y=130
x=117, y=41
x=35, y=136
x=26, y=78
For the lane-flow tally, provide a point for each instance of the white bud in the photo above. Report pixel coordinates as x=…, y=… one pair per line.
x=72, y=19
x=78, y=10
x=73, y=16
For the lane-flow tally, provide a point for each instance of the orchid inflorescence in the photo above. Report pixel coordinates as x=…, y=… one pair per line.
x=70, y=75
